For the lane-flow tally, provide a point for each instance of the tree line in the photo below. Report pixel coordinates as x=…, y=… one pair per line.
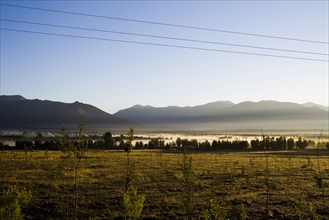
x=108, y=141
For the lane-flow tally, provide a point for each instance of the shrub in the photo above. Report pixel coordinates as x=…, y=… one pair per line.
x=133, y=203
x=212, y=211
x=11, y=202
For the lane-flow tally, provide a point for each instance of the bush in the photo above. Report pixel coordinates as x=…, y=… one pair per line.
x=133, y=203
x=212, y=211
x=11, y=202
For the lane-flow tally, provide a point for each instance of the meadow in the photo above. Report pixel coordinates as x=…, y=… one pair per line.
x=235, y=185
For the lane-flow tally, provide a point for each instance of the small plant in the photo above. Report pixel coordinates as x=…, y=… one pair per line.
x=318, y=177
x=75, y=151
x=11, y=202
x=46, y=153
x=212, y=211
x=133, y=203
x=130, y=167
x=267, y=179
x=307, y=210
x=130, y=176
x=79, y=151
x=312, y=213
x=309, y=162
x=319, y=181
x=66, y=147
x=289, y=162
x=243, y=214
x=243, y=170
x=128, y=146
x=251, y=162
x=188, y=186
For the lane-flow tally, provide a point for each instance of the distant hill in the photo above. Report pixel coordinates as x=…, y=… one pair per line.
x=16, y=112
x=7, y=99
x=311, y=104
x=226, y=114
x=149, y=114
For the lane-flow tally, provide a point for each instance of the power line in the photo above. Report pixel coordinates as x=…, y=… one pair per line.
x=162, y=45
x=170, y=0
x=163, y=37
x=166, y=24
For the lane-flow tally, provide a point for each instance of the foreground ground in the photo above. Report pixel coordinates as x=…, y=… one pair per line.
x=276, y=185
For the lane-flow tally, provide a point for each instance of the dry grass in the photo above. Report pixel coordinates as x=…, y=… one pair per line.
x=228, y=178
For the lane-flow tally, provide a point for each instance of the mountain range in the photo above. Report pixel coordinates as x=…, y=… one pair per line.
x=225, y=114
x=16, y=112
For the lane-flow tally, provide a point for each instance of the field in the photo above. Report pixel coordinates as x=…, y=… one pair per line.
x=273, y=185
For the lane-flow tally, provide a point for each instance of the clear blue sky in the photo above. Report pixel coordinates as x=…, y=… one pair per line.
x=113, y=76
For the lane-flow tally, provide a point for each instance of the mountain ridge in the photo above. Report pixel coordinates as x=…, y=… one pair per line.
x=311, y=104
x=17, y=112
x=244, y=112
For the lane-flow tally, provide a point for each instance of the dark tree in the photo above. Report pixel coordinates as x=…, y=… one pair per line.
x=185, y=143
x=194, y=143
x=214, y=144
x=280, y=143
x=24, y=145
x=179, y=142
x=256, y=145
x=108, y=140
x=290, y=144
x=153, y=143
x=301, y=144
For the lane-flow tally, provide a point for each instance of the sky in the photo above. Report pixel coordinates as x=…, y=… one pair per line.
x=115, y=75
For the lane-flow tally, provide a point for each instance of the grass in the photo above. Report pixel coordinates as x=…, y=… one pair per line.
x=231, y=179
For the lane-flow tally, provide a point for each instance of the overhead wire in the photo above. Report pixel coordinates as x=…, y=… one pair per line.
x=162, y=45
x=166, y=24
x=161, y=37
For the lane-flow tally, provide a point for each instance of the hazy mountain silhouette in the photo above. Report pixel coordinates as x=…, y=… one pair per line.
x=17, y=112
x=263, y=112
x=272, y=110
x=149, y=114
x=311, y=104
